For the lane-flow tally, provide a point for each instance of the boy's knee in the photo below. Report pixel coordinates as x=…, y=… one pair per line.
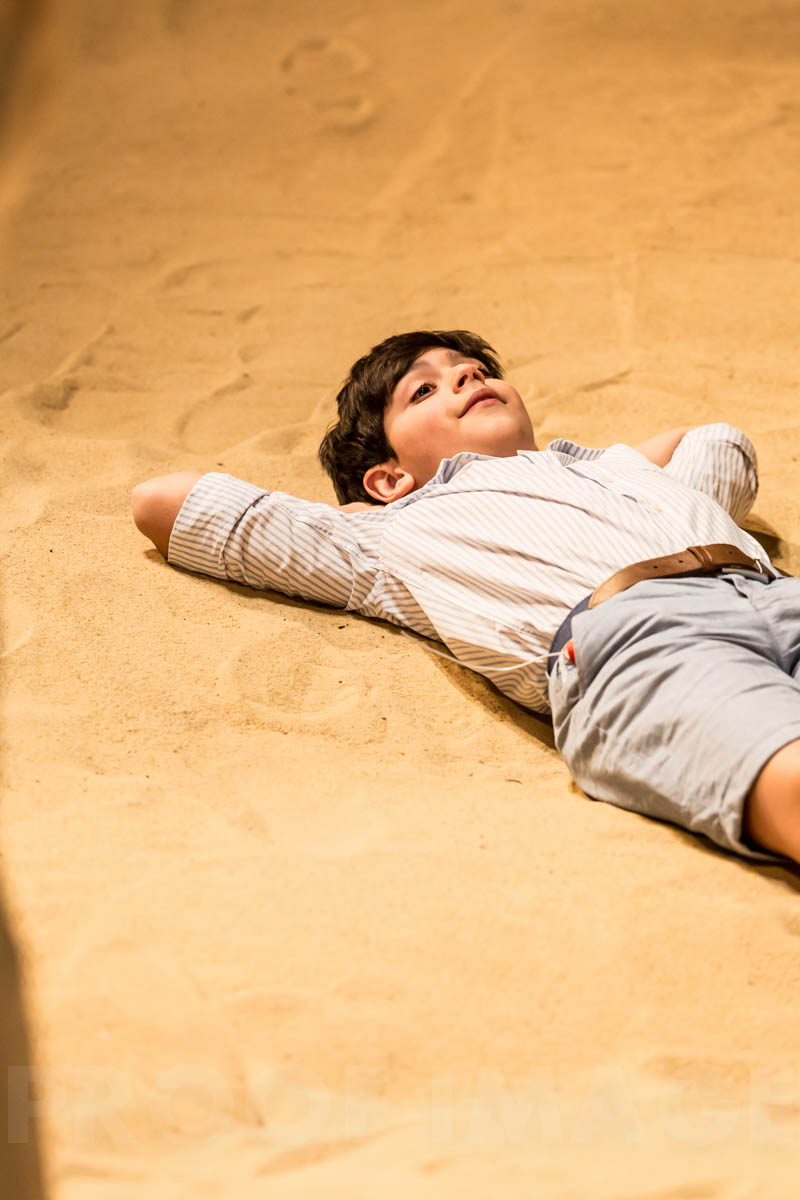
x=772, y=809
x=781, y=774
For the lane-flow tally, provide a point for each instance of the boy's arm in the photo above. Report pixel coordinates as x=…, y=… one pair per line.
x=660, y=449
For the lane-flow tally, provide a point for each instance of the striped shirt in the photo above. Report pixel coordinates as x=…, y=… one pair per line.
x=489, y=555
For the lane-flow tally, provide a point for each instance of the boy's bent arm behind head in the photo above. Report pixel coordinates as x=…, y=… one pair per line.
x=215, y=524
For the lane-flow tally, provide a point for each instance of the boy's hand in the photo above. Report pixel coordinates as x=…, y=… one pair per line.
x=660, y=449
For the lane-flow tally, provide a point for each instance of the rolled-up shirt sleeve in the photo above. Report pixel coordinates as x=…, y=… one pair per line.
x=234, y=530
x=721, y=461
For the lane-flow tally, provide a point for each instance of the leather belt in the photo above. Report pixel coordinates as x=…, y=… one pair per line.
x=694, y=560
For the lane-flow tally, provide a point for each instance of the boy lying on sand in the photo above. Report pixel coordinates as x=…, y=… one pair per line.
x=674, y=682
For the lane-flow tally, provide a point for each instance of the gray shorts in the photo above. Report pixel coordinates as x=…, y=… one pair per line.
x=681, y=691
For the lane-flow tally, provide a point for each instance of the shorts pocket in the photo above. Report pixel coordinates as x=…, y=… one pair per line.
x=590, y=645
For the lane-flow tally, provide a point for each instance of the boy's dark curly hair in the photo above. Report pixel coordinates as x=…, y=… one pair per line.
x=358, y=441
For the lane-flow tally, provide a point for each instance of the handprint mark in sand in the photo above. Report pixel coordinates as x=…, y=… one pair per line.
x=302, y=678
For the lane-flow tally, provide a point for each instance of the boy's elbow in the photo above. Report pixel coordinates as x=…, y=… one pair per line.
x=155, y=504
x=141, y=499
x=147, y=510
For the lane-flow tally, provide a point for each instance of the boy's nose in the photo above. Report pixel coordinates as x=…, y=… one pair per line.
x=465, y=373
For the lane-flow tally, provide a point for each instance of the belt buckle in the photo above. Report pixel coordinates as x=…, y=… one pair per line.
x=757, y=568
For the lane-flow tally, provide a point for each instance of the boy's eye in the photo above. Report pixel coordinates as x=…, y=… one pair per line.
x=419, y=394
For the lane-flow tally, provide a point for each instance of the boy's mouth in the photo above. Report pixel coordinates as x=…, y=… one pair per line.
x=479, y=397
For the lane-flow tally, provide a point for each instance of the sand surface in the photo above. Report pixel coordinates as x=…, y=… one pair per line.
x=305, y=910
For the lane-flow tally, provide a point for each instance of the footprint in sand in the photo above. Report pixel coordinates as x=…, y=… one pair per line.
x=246, y=314
x=100, y=390
x=92, y=366
x=7, y=334
x=326, y=75
x=227, y=287
x=188, y=274
x=43, y=400
x=197, y=428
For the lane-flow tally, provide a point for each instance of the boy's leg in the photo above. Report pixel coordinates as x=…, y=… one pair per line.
x=674, y=704
x=772, y=809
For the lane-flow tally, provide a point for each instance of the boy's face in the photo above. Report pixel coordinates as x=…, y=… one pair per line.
x=445, y=404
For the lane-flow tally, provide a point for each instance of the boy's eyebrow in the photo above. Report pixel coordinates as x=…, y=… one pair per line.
x=422, y=364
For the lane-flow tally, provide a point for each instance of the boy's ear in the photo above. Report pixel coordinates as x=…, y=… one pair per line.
x=388, y=481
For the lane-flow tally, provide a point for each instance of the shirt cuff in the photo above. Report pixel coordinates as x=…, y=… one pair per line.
x=208, y=516
x=720, y=431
